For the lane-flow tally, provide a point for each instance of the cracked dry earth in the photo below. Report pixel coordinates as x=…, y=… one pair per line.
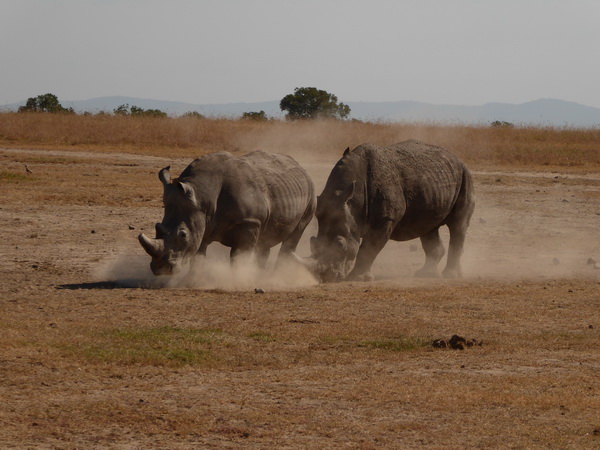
x=96, y=353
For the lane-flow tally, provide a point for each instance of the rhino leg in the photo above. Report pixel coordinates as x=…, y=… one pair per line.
x=434, y=251
x=457, y=225
x=370, y=247
x=289, y=245
x=242, y=240
x=262, y=256
x=455, y=250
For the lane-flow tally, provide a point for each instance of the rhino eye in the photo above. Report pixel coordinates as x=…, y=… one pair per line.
x=340, y=243
x=182, y=234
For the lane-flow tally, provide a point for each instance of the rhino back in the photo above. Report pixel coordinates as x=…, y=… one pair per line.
x=269, y=189
x=288, y=190
x=411, y=183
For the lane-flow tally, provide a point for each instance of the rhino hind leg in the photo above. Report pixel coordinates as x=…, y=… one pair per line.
x=455, y=249
x=289, y=244
x=457, y=225
x=434, y=252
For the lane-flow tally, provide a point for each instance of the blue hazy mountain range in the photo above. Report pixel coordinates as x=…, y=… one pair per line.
x=543, y=112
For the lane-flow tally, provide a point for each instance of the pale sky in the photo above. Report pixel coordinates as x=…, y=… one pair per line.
x=466, y=52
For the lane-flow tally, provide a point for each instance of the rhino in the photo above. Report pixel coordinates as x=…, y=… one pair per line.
x=249, y=203
x=404, y=191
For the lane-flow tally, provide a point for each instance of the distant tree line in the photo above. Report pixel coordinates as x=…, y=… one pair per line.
x=136, y=111
x=305, y=103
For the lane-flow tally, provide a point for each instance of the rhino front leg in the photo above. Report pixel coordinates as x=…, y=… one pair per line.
x=370, y=247
x=262, y=256
x=434, y=251
x=197, y=261
x=242, y=241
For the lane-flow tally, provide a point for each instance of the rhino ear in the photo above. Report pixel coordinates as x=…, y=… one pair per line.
x=346, y=151
x=347, y=193
x=187, y=189
x=165, y=175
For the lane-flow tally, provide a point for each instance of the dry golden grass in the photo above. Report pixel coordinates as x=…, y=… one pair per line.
x=479, y=146
x=86, y=362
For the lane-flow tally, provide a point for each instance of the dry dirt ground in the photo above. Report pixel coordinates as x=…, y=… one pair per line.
x=95, y=352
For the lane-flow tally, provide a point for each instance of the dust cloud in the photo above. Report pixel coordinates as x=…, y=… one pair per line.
x=522, y=228
x=213, y=272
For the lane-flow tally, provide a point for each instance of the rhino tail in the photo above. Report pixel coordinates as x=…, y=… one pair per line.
x=165, y=175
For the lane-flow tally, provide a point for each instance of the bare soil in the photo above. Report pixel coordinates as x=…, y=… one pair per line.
x=96, y=352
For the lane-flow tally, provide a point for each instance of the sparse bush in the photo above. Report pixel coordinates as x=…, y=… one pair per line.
x=194, y=115
x=136, y=111
x=259, y=116
x=122, y=110
x=153, y=113
x=502, y=124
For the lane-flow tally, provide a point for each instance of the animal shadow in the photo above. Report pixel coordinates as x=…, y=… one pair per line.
x=101, y=285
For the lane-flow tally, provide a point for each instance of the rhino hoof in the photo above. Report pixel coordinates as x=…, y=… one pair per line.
x=367, y=276
x=427, y=273
x=452, y=273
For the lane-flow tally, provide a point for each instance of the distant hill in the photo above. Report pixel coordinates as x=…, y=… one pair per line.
x=543, y=112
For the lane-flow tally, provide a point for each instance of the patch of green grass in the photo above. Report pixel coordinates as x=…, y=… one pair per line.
x=400, y=344
x=336, y=340
x=261, y=336
x=13, y=177
x=157, y=346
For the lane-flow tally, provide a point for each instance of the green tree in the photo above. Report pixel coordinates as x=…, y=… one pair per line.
x=45, y=103
x=193, y=114
x=259, y=116
x=154, y=113
x=136, y=111
x=126, y=110
x=121, y=110
x=502, y=124
x=313, y=103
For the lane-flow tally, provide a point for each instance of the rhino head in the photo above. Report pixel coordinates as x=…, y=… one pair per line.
x=336, y=245
x=179, y=235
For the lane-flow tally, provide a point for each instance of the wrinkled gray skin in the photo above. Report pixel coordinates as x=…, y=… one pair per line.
x=249, y=203
x=401, y=192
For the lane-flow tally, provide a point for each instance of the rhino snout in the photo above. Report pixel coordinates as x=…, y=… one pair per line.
x=331, y=276
x=159, y=268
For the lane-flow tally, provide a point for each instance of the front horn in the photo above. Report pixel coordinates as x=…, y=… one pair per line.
x=154, y=247
x=309, y=263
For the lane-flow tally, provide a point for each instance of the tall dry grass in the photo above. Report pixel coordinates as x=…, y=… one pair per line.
x=479, y=146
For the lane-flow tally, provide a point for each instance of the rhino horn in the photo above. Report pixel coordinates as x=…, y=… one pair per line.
x=154, y=247
x=310, y=263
